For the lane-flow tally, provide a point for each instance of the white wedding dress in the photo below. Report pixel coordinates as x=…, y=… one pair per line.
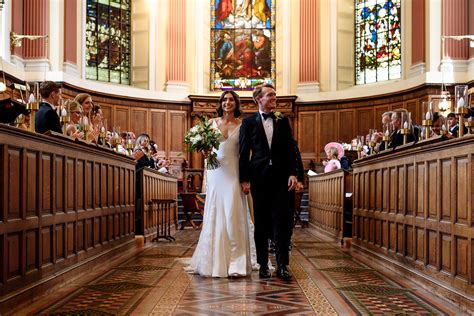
x=226, y=246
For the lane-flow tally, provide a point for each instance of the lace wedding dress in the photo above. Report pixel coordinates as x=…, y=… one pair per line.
x=226, y=246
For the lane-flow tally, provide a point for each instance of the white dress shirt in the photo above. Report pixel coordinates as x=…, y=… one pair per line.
x=268, y=127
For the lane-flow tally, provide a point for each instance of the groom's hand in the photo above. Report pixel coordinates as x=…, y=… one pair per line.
x=245, y=187
x=292, y=183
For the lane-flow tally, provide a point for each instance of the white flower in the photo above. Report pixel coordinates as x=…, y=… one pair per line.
x=196, y=139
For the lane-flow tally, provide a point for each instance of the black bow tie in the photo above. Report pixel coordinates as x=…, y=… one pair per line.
x=269, y=115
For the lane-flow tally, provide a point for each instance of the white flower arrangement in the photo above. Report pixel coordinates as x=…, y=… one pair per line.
x=204, y=138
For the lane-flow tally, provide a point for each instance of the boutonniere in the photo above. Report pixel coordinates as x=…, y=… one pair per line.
x=278, y=116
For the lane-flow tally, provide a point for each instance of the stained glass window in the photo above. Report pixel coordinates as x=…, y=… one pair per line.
x=377, y=40
x=108, y=40
x=242, y=43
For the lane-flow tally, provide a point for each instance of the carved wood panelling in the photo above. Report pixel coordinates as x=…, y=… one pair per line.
x=353, y=117
x=157, y=185
x=158, y=129
x=179, y=125
x=307, y=125
x=429, y=218
x=139, y=121
x=326, y=204
x=53, y=205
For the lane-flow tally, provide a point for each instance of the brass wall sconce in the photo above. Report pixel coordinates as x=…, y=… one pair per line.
x=15, y=39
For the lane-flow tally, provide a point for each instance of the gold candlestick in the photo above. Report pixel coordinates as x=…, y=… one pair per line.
x=469, y=125
x=65, y=120
x=405, y=132
x=427, y=124
x=386, y=139
x=460, y=111
x=371, y=146
x=33, y=107
x=102, y=136
x=87, y=129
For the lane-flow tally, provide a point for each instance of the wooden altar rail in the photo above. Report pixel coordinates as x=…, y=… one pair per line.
x=326, y=200
x=413, y=209
x=63, y=203
x=157, y=186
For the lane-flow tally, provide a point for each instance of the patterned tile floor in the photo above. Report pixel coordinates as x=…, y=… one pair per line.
x=327, y=281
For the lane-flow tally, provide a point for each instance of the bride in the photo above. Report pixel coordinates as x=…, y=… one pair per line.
x=226, y=247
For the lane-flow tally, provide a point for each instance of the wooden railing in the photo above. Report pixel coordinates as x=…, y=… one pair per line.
x=62, y=203
x=327, y=193
x=156, y=186
x=413, y=207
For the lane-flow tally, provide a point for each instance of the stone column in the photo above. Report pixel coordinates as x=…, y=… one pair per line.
x=308, y=80
x=176, y=48
x=418, y=59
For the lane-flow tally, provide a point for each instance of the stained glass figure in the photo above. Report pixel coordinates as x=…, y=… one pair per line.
x=108, y=40
x=242, y=44
x=377, y=40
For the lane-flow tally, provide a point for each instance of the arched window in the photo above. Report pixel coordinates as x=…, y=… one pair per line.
x=108, y=40
x=377, y=40
x=242, y=43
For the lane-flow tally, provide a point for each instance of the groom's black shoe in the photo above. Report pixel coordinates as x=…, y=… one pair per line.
x=283, y=273
x=264, y=273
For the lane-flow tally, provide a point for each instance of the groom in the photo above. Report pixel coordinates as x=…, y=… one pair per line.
x=267, y=166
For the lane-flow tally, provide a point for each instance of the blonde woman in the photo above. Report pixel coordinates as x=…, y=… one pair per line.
x=73, y=128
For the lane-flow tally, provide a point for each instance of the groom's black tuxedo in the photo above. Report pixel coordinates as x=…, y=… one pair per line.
x=268, y=169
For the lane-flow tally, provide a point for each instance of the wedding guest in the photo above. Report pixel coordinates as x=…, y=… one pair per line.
x=142, y=153
x=47, y=119
x=396, y=138
x=386, y=124
x=24, y=120
x=73, y=128
x=438, y=122
x=334, y=152
x=453, y=126
x=85, y=100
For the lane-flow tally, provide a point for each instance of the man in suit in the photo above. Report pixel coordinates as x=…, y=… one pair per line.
x=267, y=167
x=47, y=119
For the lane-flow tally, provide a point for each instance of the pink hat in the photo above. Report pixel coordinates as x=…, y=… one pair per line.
x=340, y=150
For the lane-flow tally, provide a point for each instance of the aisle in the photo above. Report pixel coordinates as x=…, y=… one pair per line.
x=327, y=281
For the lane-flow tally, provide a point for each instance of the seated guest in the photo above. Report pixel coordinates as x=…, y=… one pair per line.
x=386, y=121
x=96, y=121
x=23, y=120
x=453, y=126
x=73, y=128
x=85, y=100
x=396, y=138
x=334, y=152
x=47, y=119
x=142, y=153
x=438, y=122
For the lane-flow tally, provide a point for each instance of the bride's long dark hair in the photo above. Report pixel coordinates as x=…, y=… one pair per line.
x=220, y=111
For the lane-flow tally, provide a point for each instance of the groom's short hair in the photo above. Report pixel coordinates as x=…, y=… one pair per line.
x=258, y=89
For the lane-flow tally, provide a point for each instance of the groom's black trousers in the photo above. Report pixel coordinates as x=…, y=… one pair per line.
x=273, y=217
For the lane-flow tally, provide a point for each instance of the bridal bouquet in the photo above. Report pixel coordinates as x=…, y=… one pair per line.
x=204, y=137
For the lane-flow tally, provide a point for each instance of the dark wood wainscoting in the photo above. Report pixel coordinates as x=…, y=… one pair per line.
x=157, y=185
x=414, y=207
x=62, y=202
x=326, y=200
x=165, y=121
x=319, y=123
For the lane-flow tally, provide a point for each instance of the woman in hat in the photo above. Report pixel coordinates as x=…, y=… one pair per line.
x=334, y=152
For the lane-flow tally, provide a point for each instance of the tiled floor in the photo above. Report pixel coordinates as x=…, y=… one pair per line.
x=327, y=281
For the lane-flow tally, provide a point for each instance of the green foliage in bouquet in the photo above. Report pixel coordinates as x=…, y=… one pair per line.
x=204, y=138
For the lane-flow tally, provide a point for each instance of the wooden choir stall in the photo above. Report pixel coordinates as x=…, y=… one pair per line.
x=66, y=206
x=412, y=211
